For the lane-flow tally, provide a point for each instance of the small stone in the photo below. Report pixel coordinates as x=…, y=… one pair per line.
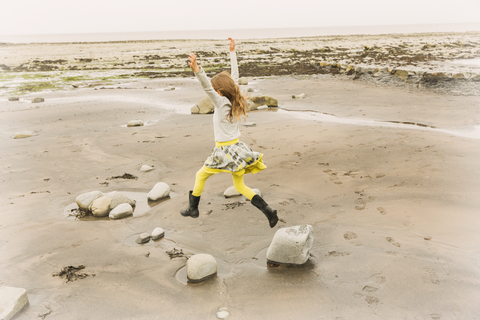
x=23, y=134
x=427, y=238
x=250, y=89
x=159, y=191
x=169, y=88
x=118, y=198
x=298, y=96
x=13, y=99
x=242, y=81
x=264, y=107
x=101, y=206
x=222, y=313
x=249, y=124
x=291, y=245
x=85, y=200
x=143, y=238
x=200, y=267
x=12, y=301
x=135, y=123
x=146, y=168
x=121, y=211
x=37, y=100
x=158, y=233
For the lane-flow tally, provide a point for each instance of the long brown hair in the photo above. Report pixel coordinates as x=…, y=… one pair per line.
x=224, y=83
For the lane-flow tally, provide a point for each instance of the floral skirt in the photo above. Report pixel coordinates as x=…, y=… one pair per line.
x=237, y=158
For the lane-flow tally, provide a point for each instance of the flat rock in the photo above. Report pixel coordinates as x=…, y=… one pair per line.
x=291, y=245
x=204, y=106
x=143, y=238
x=249, y=124
x=13, y=99
x=118, y=198
x=159, y=191
x=298, y=96
x=85, y=200
x=158, y=233
x=135, y=123
x=121, y=211
x=23, y=134
x=232, y=192
x=101, y=206
x=12, y=300
x=264, y=107
x=200, y=267
x=37, y=100
x=169, y=88
x=146, y=168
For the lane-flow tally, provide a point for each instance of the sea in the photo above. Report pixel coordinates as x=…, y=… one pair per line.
x=240, y=33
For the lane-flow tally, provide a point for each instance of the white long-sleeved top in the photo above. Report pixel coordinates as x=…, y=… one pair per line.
x=223, y=129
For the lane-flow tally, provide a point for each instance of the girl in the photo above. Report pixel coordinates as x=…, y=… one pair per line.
x=229, y=154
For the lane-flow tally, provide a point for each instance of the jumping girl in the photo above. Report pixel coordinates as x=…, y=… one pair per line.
x=230, y=154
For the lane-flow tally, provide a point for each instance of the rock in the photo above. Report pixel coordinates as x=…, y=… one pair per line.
x=146, y=168
x=251, y=106
x=159, y=191
x=298, y=96
x=13, y=99
x=232, y=192
x=101, y=206
x=262, y=107
x=475, y=77
x=200, y=267
x=143, y=238
x=291, y=245
x=169, y=88
x=85, y=200
x=121, y=211
x=12, y=301
x=23, y=134
x=249, y=124
x=204, y=106
x=135, y=123
x=459, y=76
x=250, y=89
x=158, y=233
x=118, y=198
x=402, y=74
x=264, y=100
x=223, y=313
x=242, y=81
x=37, y=100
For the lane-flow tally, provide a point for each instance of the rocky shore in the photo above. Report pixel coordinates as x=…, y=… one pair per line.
x=443, y=62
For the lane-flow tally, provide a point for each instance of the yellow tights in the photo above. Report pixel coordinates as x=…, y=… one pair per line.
x=202, y=176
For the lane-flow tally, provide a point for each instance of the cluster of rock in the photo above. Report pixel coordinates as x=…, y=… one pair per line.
x=114, y=204
x=206, y=106
x=12, y=301
x=145, y=237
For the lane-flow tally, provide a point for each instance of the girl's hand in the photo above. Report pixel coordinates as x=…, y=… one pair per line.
x=232, y=45
x=193, y=62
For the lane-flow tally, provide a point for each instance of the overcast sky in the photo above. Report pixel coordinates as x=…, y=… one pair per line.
x=92, y=16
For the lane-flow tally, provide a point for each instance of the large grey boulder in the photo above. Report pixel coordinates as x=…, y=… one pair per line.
x=291, y=245
x=200, y=267
x=204, y=106
x=85, y=200
x=118, y=198
x=23, y=134
x=101, y=206
x=12, y=300
x=121, y=211
x=159, y=191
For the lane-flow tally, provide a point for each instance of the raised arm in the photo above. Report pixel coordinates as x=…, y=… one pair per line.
x=204, y=81
x=233, y=61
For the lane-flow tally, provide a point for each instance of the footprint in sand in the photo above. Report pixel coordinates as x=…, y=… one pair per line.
x=382, y=210
x=350, y=235
x=392, y=241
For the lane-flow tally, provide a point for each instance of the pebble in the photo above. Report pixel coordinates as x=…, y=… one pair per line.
x=427, y=238
x=169, y=88
x=200, y=267
x=135, y=123
x=250, y=89
x=158, y=233
x=37, y=100
x=298, y=96
x=143, y=238
x=121, y=211
x=146, y=168
x=249, y=124
x=23, y=134
x=159, y=191
x=223, y=313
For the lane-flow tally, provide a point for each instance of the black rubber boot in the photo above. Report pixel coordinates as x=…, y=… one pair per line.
x=270, y=212
x=192, y=210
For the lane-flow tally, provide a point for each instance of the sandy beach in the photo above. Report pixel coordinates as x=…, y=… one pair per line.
x=386, y=173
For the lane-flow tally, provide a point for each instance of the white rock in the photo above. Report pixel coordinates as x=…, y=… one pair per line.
x=249, y=124
x=204, y=106
x=84, y=201
x=298, y=96
x=169, y=88
x=232, y=192
x=159, y=191
x=158, y=233
x=242, y=81
x=146, y=168
x=135, y=123
x=264, y=107
x=12, y=300
x=200, y=267
x=23, y=134
x=118, y=198
x=291, y=245
x=143, y=238
x=223, y=313
x=101, y=206
x=121, y=211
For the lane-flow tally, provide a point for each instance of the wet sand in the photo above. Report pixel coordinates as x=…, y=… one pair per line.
x=394, y=210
